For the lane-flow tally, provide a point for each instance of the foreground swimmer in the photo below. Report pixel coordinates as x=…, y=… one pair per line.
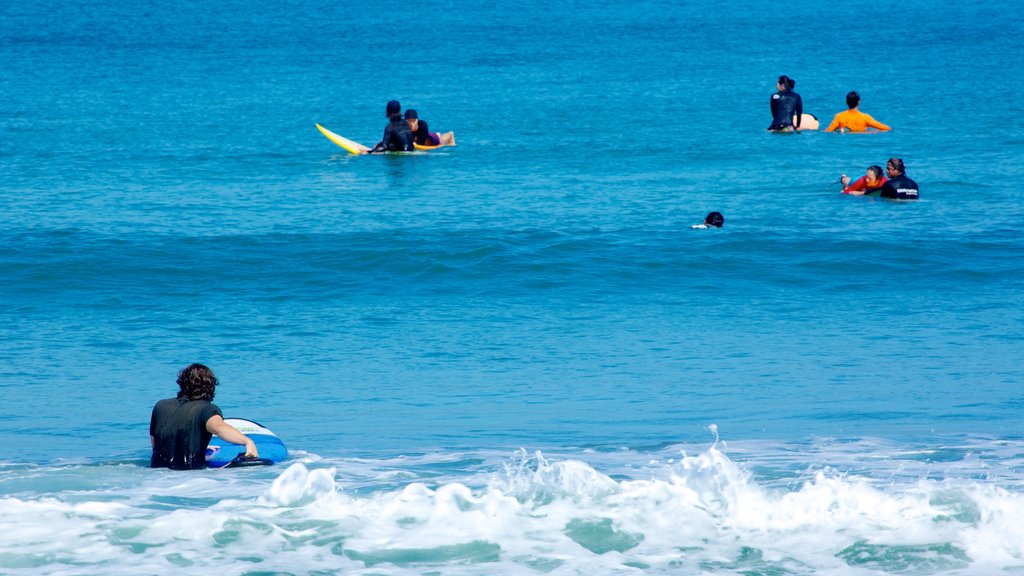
x=397, y=135
x=853, y=119
x=180, y=428
x=870, y=182
x=712, y=220
x=422, y=135
x=787, y=107
x=899, y=187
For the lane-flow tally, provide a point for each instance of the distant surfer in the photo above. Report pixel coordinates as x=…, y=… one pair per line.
x=397, y=135
x=422, y=135
x=787, y=107
x=870, y=182
x=180, y=428
x=712, y=220
x=853, y=120
x=899, y=187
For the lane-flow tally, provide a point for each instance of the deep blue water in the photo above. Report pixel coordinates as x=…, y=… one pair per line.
x=419, y=318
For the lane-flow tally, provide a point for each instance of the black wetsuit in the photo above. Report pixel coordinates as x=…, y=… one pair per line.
x=180, y=437
x=899, y=188
x=785, y=105
x=397, y=136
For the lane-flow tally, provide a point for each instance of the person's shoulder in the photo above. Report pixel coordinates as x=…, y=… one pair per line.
x=776, y=96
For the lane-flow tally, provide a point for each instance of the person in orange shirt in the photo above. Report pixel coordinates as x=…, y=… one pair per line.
x=870, y=182
x=853, y=119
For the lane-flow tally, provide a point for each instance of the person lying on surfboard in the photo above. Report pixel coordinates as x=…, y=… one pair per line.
x=853, y=119
x=397, y=135
x=870, y=182
x=422, y=135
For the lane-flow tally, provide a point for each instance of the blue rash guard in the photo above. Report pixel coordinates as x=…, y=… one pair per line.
x=900, y=188
x=785, y=105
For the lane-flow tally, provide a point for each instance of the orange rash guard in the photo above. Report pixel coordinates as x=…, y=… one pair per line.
x=861, y=185
x=855, y=121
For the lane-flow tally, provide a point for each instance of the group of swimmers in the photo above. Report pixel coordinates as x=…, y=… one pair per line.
x=404, y=134
x=787, y=116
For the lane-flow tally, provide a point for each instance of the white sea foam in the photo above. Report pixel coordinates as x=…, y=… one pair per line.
x=622, y=512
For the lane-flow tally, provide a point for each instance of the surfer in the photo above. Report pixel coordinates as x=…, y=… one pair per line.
x=871, y=181
x=787, y=107
x=712, y=220
x=180, y=428
x=422, y=135
x=853, y=119
x=397, y=135
x=899, y=187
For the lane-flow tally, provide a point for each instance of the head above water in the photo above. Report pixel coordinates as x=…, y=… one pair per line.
x=896, y=165
x=714, y=219
x=852, y=99
x=196, y=382
x=786, y=83
x=411, y=114
x=394, y=107
x=874, y=172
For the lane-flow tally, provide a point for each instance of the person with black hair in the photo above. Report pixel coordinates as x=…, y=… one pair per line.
x=712, y=220
x=422, y=135
x=180, y=428
x=899, y=187
x=871, y=181
x=853, y=120
x=397, y=135
x=787, y=107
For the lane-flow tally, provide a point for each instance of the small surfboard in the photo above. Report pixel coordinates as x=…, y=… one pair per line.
x=221, y=454
x=808, y=122
x=351, y=146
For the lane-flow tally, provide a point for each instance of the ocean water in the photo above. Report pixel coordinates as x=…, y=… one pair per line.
x=513, y=356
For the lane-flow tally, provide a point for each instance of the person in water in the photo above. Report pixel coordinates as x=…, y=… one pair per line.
x=397, y=135
x=787, y=107
x=899, y=187
x=712, y=220
x=871, y=181
x=180, y=428
x=422, y=135
x=854, y=120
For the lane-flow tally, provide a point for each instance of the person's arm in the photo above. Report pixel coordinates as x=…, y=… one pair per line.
x=227, y=432
x=858, y=187
x=799, y=110
x=835, y=124
x=876, y=124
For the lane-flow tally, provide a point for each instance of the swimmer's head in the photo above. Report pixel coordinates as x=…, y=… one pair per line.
x=875, y=171
x=785, y=82
x=896, y=164
x=852, y=99
x=714, y=219
x=394, y=107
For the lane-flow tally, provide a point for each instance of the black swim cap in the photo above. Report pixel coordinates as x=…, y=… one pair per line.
x=394, y=107
x=715, y=219
x=410, y=114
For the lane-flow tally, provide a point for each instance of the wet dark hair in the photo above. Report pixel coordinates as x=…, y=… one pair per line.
x=787, y=82
x=714, y=219
x=897, y=164
x=196, y=382
x=852, y=99
x=877, y=170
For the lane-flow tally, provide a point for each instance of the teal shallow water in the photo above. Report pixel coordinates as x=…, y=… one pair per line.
x=408, y=323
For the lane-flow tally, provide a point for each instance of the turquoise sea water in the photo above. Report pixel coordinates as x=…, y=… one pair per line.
x=513, y=356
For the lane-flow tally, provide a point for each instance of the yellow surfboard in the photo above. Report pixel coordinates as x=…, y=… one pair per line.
x=354, y=147
x=351, y=146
